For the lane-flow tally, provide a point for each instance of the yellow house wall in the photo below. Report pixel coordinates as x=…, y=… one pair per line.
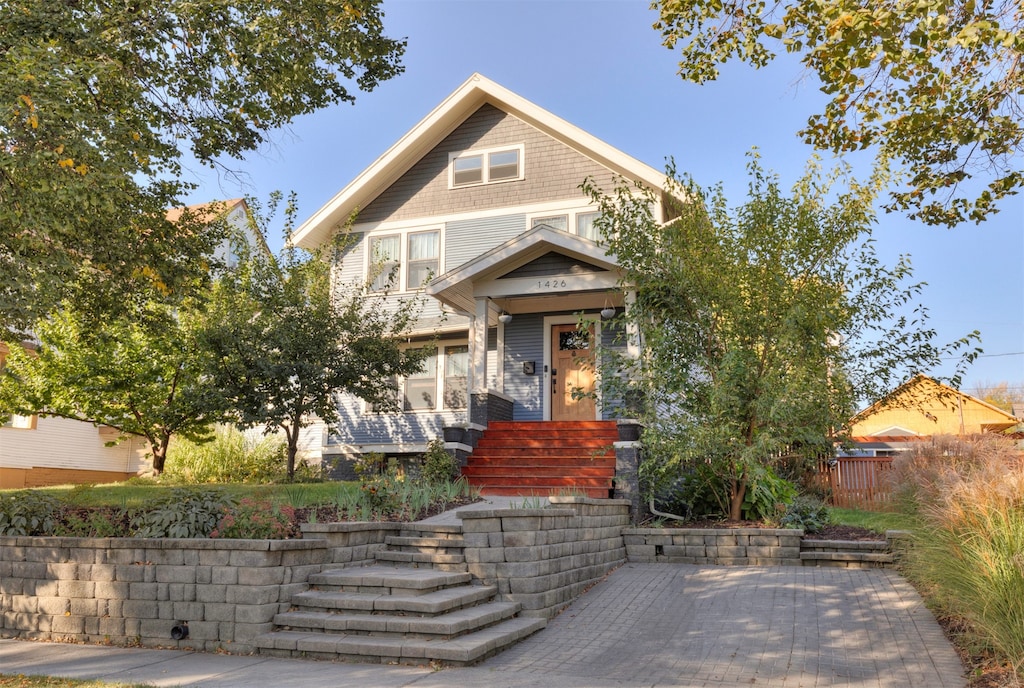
x=918, y=403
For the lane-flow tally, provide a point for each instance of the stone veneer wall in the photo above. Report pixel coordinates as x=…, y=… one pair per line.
x=545, y=558
x=724, y=546
x=133, y=590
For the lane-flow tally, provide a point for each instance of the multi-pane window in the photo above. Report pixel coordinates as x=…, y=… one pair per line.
x=582, y=222
x=456, y=376
x=422, y=258
x=442, y=383
x=385, y=256
x=486, y=167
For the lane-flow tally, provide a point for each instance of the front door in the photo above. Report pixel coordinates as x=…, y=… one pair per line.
x=572, y=370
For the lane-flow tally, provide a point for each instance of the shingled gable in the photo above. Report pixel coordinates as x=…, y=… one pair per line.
x=443, y=120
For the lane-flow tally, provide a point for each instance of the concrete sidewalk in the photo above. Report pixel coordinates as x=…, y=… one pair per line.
x=645, y=625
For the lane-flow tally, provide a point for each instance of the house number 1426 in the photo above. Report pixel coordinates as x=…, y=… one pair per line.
x=551, y=284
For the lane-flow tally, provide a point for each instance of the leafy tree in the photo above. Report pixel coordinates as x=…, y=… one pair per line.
x=286, y=341
x=98, y=102
x=762, y=325
x=999, y=394
x=933, y=85
x=142, y=375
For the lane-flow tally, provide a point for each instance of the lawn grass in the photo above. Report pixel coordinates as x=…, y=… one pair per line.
x=878, y=521
x=21, y=681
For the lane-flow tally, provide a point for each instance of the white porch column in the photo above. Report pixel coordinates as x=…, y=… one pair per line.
x=478, y=347
x=632, y=331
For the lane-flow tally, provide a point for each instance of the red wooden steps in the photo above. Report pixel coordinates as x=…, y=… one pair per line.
x=544, y=458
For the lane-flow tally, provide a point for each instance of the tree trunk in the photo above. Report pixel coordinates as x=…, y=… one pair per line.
x=737, y=491
x=293, y=448
x=160, y=454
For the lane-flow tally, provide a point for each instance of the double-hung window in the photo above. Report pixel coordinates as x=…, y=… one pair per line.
x=582, y=222
x=471, y=168
x=422, y=257
x=442, y=383
x=385, y=256
x=404, y=261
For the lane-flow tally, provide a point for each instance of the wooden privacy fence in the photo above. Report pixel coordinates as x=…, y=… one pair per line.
x=859, y=482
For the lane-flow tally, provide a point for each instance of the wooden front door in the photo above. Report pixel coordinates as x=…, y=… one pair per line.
x=572, y=369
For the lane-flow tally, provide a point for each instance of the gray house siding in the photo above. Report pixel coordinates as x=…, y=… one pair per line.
x=465, y=240
x=552, y=171
x=524, y=341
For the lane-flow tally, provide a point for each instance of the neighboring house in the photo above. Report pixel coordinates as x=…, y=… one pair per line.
x=479, y=209
x=919, y=409
x=39, y=451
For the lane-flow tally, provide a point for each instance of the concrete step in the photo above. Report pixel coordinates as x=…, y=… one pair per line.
x=460, y=651
x=403, y=543
x=387, y=580
x=425, y=560
x=424, y=604
x=445, y=626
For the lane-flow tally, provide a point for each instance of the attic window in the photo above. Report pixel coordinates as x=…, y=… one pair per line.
x=472, y=168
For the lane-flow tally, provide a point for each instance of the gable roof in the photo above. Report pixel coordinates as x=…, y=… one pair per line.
x=1000, y=420
x=454, y=288
x=431, y=130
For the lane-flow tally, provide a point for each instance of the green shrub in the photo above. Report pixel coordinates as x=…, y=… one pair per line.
x=807, y=512
x=439, y=466
x=700, y=493
x=93, y=522
x=27, y=512
x=256, y=519
x=231, y=456
x=184, y=513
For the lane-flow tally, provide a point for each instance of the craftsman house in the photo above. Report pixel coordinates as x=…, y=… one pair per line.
x=479, y=209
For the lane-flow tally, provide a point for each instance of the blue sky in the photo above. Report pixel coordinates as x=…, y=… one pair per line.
x=599, y=65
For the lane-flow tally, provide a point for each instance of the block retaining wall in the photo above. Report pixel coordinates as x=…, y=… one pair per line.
x=545, y=558
x=134, y=590
x=722, y=546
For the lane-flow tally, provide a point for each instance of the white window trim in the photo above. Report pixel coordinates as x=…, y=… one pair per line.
x=571, y=215
x=439, y=378
x=486, y=152
x=401, y=285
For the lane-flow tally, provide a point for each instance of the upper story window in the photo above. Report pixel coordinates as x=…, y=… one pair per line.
x=470, y=168
x=582, y=222
x=404, y=261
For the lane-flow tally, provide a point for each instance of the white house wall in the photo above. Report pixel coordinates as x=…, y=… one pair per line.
x=60, y=443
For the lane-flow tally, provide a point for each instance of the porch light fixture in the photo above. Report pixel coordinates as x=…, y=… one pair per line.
x=505, y=317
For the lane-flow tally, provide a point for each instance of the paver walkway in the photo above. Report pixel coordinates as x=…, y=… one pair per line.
x=646, y=625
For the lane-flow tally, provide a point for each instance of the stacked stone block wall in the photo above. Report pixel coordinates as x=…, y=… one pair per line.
x=722, y=546
x=351, y=543
x=545, y=558
x=132, y=591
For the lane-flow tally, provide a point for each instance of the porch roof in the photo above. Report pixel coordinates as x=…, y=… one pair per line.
x=457, y=288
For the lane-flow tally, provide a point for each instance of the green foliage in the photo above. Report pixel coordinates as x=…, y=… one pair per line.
x=763, y=325
x=94, y=523
x=809, y=513
x=930, y=85
x=231, y=456
x=99, y=104
x=286, y=340
x=27, y=512
x=439, y=466
x=184, y=513
x=256, y=519
x=142, y=375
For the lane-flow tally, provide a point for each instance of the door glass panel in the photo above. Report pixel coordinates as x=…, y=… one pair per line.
x=574, y=340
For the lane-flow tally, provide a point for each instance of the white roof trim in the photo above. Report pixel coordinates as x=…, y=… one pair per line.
x=431, y=130
x=513, y=253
